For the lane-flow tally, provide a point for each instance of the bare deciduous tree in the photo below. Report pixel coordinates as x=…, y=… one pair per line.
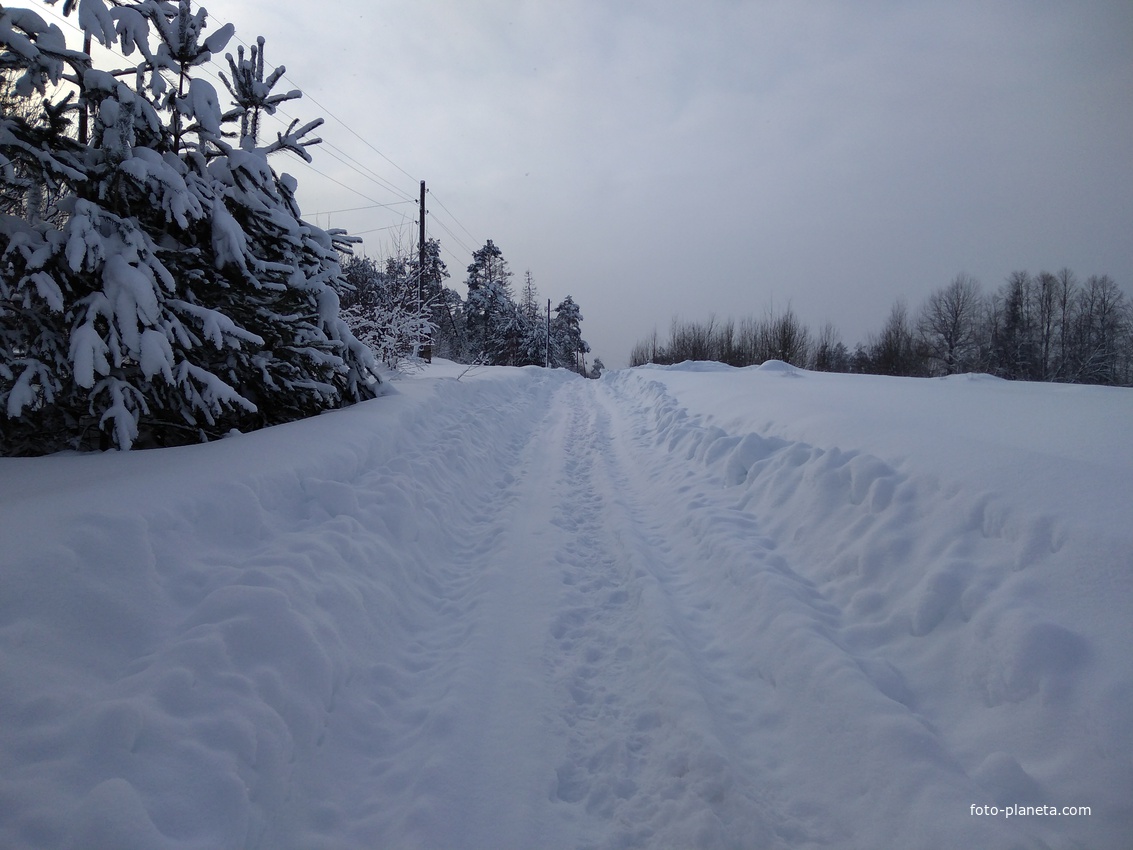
x=1103, y=321
x=829, y=353
x=895, y=351
x=948, y=326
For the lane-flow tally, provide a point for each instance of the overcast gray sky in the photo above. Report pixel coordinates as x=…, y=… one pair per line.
x=696, y=156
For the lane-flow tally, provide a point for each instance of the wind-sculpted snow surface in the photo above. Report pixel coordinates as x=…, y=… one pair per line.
x=678, y=607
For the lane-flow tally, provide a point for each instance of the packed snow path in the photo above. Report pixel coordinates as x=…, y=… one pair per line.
x=527, y=610
x=585, y=686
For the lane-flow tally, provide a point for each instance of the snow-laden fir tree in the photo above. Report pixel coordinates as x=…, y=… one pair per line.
x=502, y=332
x=441, y=304
x=529, y=298
x=567, y=345
x=533, y=342
x=491, y=314
x=177, y=293
x=533, y=332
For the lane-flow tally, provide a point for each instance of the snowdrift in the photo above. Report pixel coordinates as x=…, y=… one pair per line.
x=680, y=606
x=966, y=541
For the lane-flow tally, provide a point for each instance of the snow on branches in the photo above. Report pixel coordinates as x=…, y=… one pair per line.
x=170, y=292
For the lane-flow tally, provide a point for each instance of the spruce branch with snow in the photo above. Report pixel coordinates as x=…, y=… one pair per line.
x=176, y=293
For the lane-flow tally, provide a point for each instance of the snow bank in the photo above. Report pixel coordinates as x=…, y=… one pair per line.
x=971, y=539
x=178, y=626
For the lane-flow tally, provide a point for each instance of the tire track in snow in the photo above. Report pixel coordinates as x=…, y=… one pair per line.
x=565, y=693
x=480, y=777
x=654, y=726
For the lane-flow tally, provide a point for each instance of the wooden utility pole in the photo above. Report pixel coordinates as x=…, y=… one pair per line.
x=548, y=333
x=83, y=111
x=427, y=347
x=421, y=244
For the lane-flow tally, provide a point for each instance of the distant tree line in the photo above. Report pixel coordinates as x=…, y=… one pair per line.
x=404, y=311
x=1044, y=327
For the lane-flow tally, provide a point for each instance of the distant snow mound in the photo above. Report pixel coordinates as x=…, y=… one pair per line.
x=691, y=366
x=973, y=376
x=779, y=367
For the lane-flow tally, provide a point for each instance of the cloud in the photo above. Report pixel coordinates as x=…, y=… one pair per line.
x=662, y=157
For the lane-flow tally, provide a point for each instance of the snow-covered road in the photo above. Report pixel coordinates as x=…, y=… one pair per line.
x=528, y=610
x=600, y=700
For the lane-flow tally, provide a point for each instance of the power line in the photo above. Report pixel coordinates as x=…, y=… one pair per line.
x=333, y=152
x=452, y=215
x=359, y=209
x=350, y=129
x=307, y=94
x=326, y=176
x=371, y=174
x=376, y=229
x=455, y=238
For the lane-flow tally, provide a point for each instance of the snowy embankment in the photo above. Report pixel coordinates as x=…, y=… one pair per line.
x=682, y=607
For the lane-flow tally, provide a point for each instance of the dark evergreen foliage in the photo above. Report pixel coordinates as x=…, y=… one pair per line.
x=172, y=291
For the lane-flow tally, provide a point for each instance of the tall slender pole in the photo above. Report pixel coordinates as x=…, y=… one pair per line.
x=548, y=333
x=83, y=118
x=421, y=245
x=427, y=348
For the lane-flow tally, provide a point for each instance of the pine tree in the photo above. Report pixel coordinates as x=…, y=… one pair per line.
x=529, y=298
x=178, y=294
x=491, y=314
x=437, y=301
x=567, y=344
x=489, y=266
x=533, y=326
x=433, y=275
x=533, y=342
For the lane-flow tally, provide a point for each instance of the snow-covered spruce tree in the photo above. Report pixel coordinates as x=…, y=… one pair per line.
x=445, y=337
x=491, y=315
x=181, y=295
x=567, y=344
x=505, y=333
x=533, y=340
x=279, y=275
x=533, y=326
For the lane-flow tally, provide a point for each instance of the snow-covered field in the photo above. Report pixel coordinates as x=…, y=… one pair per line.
x=677, y=607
